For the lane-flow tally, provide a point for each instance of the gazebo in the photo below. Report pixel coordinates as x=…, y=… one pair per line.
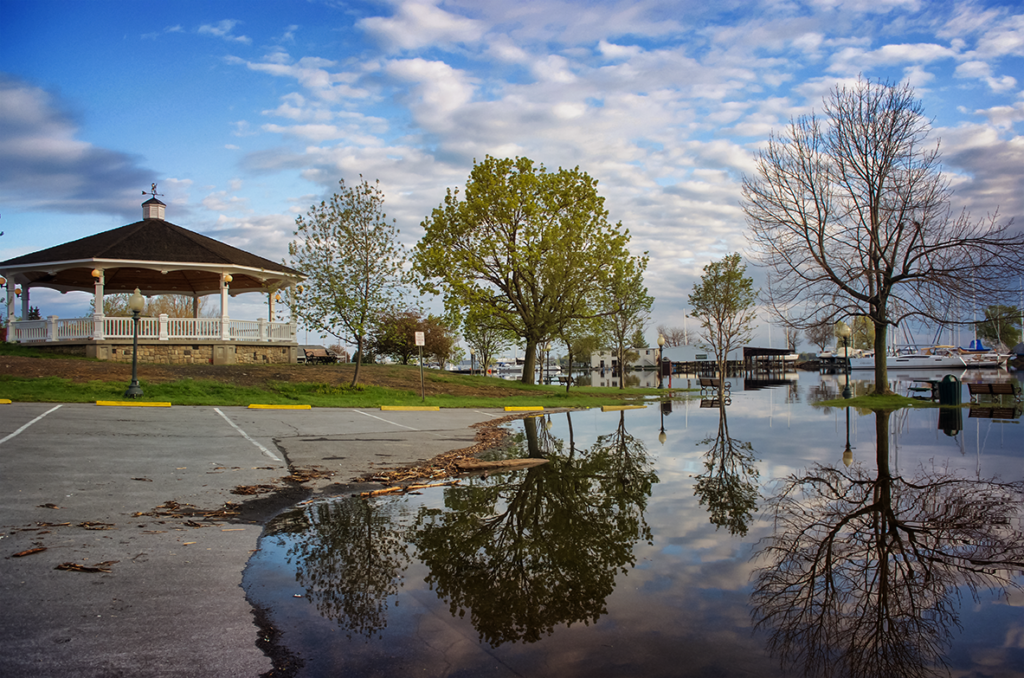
x=157, y=257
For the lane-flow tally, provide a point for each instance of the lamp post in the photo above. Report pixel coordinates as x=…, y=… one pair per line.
x=848, y=452
x=844, y=331
x=661, y=358
x=547, y=362
x=136, y=303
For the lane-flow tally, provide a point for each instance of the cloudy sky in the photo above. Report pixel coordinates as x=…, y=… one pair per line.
x=247, y=113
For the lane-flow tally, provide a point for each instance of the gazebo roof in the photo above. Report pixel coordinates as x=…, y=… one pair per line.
x=154, y=255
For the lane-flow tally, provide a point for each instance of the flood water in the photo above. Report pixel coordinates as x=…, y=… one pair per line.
x=689, y=540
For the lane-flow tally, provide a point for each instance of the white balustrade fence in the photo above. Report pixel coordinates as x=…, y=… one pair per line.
x=161, y=329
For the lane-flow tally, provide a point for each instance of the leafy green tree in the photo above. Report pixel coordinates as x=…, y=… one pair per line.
x=353, y=265
x=528, y=246
x=486, y=337
x=1001, y=326
x=627, y=295
x=851, y=217
x=394, y=335
x=438, y=341
x=723, y=302
x=863, y=336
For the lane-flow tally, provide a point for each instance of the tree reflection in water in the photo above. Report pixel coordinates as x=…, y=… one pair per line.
x=863, y=574
x=728, y=486
x=349, y=556
x=525, y=552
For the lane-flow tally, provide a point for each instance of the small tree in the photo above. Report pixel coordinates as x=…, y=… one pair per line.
x=1000, y=326
x=487, y=337
x=353, y=264
x=674, y=336
x=394, y=335
x=723, y=302
x=820, y=335
x=863, y=336
x=627, y=294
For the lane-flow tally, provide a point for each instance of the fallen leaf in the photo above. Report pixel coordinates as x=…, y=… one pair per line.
x=96, y=526
x=49, y=506
x=78, y=567
x=29, y=552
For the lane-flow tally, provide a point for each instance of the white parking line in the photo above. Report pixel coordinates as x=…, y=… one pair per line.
x=387, y=421
x=246, y=436
x=30, y=423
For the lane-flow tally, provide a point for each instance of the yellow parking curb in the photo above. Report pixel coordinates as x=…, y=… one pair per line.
x=531, y=408
x=118, y=403
x=616, y=408
x=4, y=401
x=410, y=408
x=255, y=406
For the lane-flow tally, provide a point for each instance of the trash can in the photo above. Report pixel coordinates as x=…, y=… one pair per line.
x=949, y=390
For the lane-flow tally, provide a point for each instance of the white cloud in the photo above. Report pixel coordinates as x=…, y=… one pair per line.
x=312, y=73
x=223, y=29
x=983, y=71
x=420, y=23
x=1004, y=117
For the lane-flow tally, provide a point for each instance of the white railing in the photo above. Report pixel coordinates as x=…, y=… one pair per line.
x=22, y=331
x=161, y=328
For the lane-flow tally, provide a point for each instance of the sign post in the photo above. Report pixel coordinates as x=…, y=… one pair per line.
x=420, y=340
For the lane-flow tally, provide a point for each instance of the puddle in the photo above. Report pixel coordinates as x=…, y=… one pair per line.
x=668, y=541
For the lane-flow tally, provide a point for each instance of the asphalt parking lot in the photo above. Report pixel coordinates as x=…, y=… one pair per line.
x=130, y=502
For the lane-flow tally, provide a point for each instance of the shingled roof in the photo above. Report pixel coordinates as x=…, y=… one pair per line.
x=153, y=254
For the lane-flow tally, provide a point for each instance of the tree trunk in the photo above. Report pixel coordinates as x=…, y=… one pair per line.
x=359, y=361
x=530, y=363
x=881, y=367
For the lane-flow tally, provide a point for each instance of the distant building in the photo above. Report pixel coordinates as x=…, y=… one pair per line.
x=647, y=359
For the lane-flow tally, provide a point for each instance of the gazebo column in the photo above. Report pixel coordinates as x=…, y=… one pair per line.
x=225, y=333
x=10, y=311
x=24, y=302
x=97, y=306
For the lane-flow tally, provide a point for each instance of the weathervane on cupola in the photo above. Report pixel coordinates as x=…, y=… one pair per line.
x=153, y=208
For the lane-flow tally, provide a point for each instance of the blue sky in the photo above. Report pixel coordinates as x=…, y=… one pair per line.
x=246, y=113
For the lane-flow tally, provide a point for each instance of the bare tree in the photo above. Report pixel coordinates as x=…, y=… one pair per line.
x=674, y=336
x=850, y=215
x=863, y=574
x=820, y=334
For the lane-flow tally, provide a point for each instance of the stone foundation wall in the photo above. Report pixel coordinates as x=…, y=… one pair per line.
x=180, y=353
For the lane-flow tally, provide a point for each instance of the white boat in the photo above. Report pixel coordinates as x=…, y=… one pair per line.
x=934, y=357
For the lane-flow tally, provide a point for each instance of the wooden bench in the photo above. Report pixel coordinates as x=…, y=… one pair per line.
x=709, y=384
x=1004, y=413
x=318, y=356
x=1000, y=388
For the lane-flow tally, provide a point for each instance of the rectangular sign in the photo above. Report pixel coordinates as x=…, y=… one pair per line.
x=420, y=341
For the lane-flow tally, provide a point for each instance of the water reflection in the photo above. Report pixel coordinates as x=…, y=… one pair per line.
x=349, y=557
x=609, y=560
x=862, y=574
x=525, y=552
x=728, y=486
